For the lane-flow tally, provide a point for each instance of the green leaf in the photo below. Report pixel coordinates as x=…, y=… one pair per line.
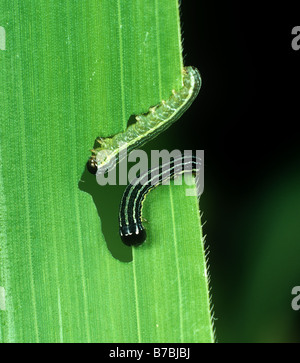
x=72, y=71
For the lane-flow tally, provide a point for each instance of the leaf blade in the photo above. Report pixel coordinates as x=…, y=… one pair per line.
x=60, y=88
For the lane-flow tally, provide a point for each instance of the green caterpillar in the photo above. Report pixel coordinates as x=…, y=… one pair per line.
x=148, y=125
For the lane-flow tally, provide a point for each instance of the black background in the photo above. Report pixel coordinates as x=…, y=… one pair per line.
x=246, y=119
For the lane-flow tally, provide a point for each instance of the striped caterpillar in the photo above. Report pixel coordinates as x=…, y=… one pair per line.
x=131, y=229
x=147, y=126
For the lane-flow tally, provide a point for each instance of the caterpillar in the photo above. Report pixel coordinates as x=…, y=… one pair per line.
x=131, y=229
x=147, y=126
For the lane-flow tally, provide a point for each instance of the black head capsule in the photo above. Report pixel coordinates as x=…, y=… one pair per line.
x=133, y=235
x=92, y=165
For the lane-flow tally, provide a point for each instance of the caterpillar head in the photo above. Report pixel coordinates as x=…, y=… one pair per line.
x=92, y=165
